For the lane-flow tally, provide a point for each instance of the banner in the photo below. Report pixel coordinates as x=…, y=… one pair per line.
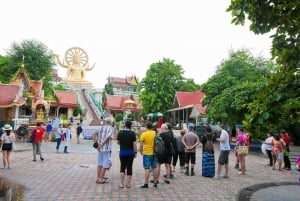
x=88, y=132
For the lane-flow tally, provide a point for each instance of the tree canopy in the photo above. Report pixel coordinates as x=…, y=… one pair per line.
x=235, y=84
x=276, y=105
x=38, y=61
x=282, y=18
x=157, y=89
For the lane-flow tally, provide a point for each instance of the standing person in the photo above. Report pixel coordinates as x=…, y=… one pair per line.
x=7, y=140
x=147, y=151
x=224, y=152
x=190, y=142
x=208, y=158
x=58, y=137
x=67, y=138
x=166, y=157
x=277, y=151
x=268, y=145
x=78, y=132
x=241, y=141
x=48, y=131
x=38, y=134
x=127, y=140
x=180, y=152
x=81, y=121
x=104, y=137
x=286, y=160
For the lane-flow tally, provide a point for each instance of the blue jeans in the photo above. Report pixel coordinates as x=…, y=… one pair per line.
x=58, y=141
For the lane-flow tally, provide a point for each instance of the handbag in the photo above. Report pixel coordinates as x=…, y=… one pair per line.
x=242, y=150
x=95, y=145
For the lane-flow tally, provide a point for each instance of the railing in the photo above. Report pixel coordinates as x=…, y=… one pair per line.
x=97, y=105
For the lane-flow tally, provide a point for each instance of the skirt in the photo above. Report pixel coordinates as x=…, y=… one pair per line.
x=7, y=147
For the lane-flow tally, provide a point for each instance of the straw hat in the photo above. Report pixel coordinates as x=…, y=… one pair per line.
x=6, y=127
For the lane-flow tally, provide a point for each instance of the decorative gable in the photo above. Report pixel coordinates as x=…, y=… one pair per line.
x=22, y=76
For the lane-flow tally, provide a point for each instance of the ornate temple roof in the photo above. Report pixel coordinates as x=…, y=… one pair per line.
x=9, y=96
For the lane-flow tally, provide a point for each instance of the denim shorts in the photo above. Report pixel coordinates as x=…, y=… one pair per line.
x=149, y=161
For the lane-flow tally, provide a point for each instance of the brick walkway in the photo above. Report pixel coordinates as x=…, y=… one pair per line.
x=72, y=177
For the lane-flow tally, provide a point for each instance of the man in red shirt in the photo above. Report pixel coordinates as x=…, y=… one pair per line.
x=37, y=134
x=286, y=138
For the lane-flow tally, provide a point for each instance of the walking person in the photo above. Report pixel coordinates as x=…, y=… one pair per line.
x=127, y=140
x=78, y=132
x=268, y=146
x=7, y=140
x=37, y=134
x=190, y=141
x=104, y=136
x=224, y=152
x=58, y=137
x=180, y=152
x=67, y=139
x=149, y=158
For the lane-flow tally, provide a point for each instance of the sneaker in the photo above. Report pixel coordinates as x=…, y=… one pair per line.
x=155, y=185
x=192, y=174
x=217, y=177
x=152, y=181
x=225, y=176
x=144, y=186
x=172, y=176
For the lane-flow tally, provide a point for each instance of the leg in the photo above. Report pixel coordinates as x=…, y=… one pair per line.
x=34, y=149
x=7, y=159
x=4, y=154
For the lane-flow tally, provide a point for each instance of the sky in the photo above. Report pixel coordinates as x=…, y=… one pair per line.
x=124, y=37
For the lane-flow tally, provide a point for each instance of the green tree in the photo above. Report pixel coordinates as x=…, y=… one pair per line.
x=158, y=87
x=276, y=105
x=38, y=61
x=6, y=71
x=280, y=17
x=233, y=86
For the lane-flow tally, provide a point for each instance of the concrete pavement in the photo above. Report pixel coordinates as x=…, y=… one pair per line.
x=72, y=177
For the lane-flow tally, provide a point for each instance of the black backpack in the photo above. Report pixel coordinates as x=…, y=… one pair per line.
x=159, y=145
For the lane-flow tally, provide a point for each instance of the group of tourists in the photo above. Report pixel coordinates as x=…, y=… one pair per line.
x=277, y=148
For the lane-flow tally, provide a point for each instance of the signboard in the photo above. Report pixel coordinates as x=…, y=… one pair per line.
x=87, y=132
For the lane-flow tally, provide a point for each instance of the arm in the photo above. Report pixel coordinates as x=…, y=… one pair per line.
x=134, y=148
x=90, y=68
x=59, y=62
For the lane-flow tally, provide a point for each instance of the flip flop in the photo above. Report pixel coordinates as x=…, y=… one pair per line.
x=121, y=186
x=102, y=182
x=127, y=186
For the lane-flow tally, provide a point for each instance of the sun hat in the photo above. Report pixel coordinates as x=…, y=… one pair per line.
x=6, y=127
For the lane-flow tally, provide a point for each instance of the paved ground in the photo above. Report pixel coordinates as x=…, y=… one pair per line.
x=72, y=177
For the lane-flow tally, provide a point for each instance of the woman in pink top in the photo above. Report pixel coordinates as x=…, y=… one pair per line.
x=241, y=141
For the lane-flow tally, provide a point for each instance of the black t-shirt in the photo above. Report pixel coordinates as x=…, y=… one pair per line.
x=78, y=130
x=166, y=136
x=126, y=139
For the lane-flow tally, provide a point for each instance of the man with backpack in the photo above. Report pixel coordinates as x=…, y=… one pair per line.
x=166, y=156
x=147, y=151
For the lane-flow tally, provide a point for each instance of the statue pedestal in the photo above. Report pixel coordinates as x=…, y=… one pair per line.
x=77, y=85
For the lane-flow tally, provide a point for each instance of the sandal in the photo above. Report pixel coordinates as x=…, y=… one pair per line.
x=102, y=182
x=167, y=181
x=121, y=186
x=128, y=186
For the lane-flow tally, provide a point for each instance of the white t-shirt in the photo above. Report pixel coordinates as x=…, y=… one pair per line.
x=224, y=145
x=269, y=140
